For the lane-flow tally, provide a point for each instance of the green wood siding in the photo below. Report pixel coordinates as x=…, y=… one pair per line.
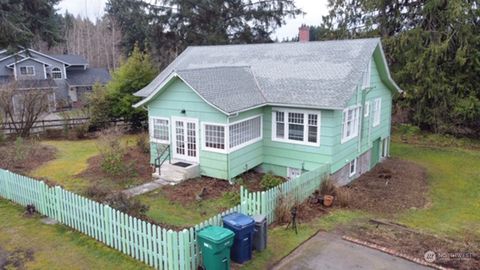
x=353, y=148
x=177, y=96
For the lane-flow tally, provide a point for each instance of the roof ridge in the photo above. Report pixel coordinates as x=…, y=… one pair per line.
x=215, y=67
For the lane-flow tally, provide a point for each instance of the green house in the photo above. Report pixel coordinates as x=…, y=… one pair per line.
x=281, y=107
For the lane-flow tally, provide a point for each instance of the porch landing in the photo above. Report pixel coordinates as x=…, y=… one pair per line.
x=177, y=171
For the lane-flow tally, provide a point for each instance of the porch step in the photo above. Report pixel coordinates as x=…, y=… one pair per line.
x=175, y=174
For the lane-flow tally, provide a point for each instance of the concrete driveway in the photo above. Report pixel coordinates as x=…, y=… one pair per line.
x=329, y=251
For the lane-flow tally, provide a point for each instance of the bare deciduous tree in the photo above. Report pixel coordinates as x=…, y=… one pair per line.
x=22, y=107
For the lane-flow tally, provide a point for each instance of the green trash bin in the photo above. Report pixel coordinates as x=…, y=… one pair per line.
x=215, y=243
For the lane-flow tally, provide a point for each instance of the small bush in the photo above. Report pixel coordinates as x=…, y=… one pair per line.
x=232, y=197
x=112, y=152
x=143, y=143
x=283, y=209
x=408, y=130
x=343, y=196
x=21, y=149
x=270, y=181
x=80, y=131
x=328, y=187
x=51, y=133
x=127, y=205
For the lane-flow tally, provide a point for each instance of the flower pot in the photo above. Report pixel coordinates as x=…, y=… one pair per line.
x=327, y=200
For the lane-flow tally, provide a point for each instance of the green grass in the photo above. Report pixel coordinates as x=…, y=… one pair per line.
x=182, y=215
x=454, y=189
x=281, y=241
x=71, y=159
x=56, y=246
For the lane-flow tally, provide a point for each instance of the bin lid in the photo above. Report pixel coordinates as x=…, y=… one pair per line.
x=215, y=234
x=238, y=220
x=259, y=218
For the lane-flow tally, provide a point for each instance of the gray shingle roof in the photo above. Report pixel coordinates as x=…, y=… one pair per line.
x=90, y=76
x=228, y=88
x=72, y=59
x=29, y=84
x=318, y=74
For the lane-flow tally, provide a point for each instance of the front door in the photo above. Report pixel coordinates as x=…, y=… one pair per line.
x=185, y=139
x=375, y=155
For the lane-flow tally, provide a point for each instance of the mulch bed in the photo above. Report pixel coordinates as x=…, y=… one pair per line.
x=140, y=164
x=35, y=156
x=414, y=243
x=392, y=186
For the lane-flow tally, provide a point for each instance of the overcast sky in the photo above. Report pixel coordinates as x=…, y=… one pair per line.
x=314, y=9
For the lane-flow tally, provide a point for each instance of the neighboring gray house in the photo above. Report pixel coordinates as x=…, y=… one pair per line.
x=68, y=75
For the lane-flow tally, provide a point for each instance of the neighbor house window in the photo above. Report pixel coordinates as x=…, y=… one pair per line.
x=214, y=136
x=353, y=167
x=366, y=77
x=245, y=132
x=366, y=110
x=56, y=73
x=350, y=123
x=377, y=109
x=27, y=70
x=296, y=126
x=159, y=130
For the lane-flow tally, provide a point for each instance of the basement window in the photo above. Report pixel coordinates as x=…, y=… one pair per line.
x=353, y=167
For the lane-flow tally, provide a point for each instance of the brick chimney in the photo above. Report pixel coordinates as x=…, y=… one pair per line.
x=304, y=33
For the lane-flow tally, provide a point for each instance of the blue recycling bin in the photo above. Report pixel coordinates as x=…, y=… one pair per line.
x=243, y=226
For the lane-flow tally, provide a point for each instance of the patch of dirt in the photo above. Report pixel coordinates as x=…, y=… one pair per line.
x=24, y=158
x=15, y=259
x=188, y=190
x=392, y=186
x=140, y=168
x=414, y=243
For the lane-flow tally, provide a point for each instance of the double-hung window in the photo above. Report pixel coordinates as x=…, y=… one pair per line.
x=377, y=109
x=366, y=109
x=27, y=70
x=296, y=126
x=351, y=121
x=159, y=130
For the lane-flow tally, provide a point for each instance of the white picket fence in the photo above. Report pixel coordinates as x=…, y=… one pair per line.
x=146, y=242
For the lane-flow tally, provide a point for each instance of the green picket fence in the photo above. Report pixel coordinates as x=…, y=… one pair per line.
x=146, y=242
x=299, y=189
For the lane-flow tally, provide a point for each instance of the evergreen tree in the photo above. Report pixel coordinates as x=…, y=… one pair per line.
x=22, y=22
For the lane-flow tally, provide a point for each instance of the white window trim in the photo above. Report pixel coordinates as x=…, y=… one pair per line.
x=357, y=131
x=151, y=128
x=59, y=71
x=204, y=136
x=305, y=125
x=26, y=69
x=366, y=109
x=232, y=149
x=229, y=149
x=376, y=121
x=350, y=173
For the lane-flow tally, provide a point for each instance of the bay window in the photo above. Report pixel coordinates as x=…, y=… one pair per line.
x=295, y=126
x=351, y=123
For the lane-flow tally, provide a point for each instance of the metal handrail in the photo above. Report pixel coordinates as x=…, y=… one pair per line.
x=160, y=159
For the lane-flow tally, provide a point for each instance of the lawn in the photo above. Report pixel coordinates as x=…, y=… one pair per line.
x=454, y=181
x=56, y=246
x=71, y=159
x=164, y=211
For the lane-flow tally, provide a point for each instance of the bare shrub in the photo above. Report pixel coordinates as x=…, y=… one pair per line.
x=343, y=196
x=97, y=193
x=130, y=206
x=143, y=143
x=328, y=187
x=283, y=209
x=112, y=151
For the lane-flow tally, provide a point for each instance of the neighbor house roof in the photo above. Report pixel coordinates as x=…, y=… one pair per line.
x=29, y=84
x=305, y=74
x=89, y=76
x=75, y=60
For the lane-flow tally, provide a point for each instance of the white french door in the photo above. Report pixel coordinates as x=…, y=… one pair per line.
x=185, y=139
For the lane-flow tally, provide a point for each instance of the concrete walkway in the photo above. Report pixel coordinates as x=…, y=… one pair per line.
x=328, y=251
x=147, y=187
